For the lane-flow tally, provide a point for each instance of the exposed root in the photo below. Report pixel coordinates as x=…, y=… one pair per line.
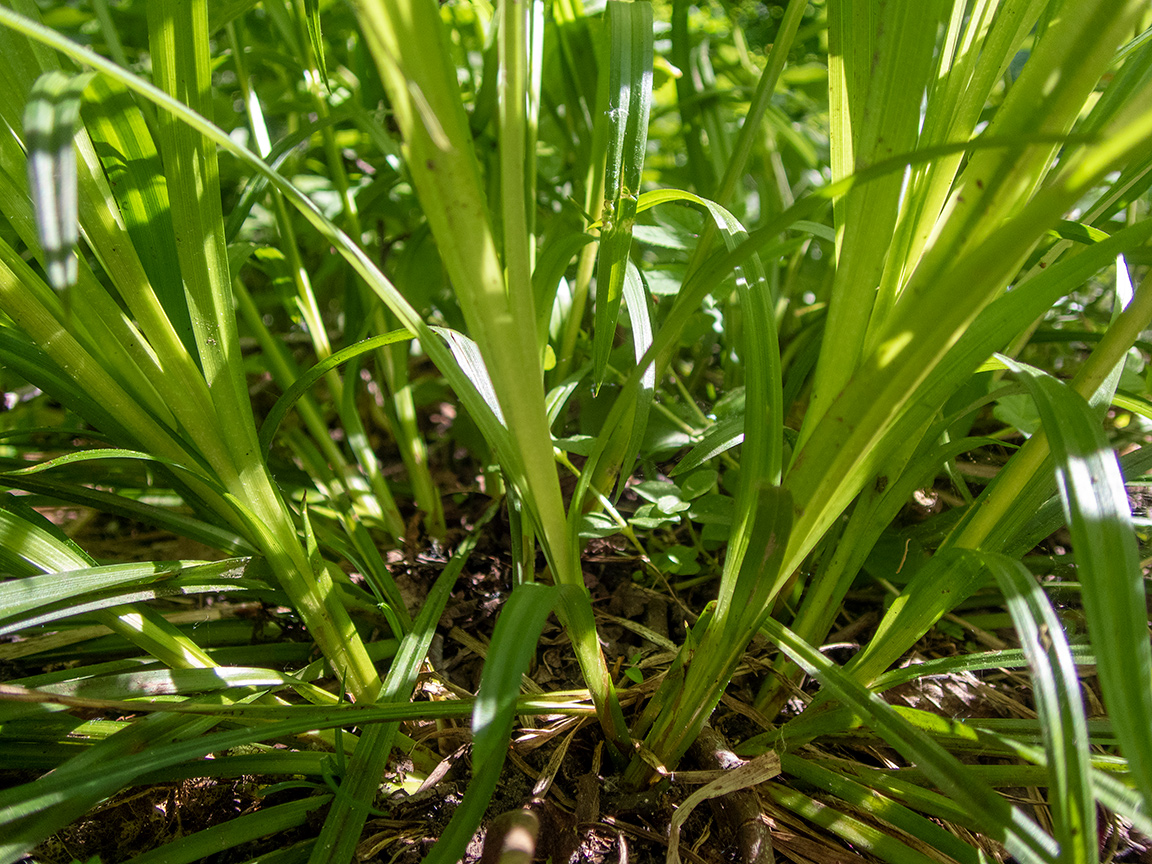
x=738, y=813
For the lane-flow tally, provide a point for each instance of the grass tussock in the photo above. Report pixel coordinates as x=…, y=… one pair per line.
x=750, y=399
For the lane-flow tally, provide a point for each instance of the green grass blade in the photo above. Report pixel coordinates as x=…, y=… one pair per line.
x=628, y=31
x=410, y=50
x=1010, y=510
x=857, y=833
x=874, y=405
x=517, y=143
x=112, y=338
x=1122, y=799
x=550, y=266
x=881, y=807
x=408, y=44
x=471, y=362
x=976, y=54
x=513, y=645
x=31, y=812
x=1108, y=561
x=226, y=11
x=270, y=526
x=110, y=377
x=30, y=544
x=306, y=381
x=136, y=177
x=282, y=151
x=510, y=456
x=316, y=37
x=181, y=64
x=23, y=356
x=718, y=438
x=342, y=826
x=155, y=682
x=219, y=838
x=763, y=419
x=750, y=130
x=1056, y=689
x=107, y=502
x=874, y=511
x=991, y=812
x=935, y=589
x=50, y=120
x=753, y=542
x=377, y=498
x=880, y=60
x=640, y=315
x=107, y=453
x=301, y=717
x=684, y=710
x=1008, y=658
x=688, y=102
x=24, y=602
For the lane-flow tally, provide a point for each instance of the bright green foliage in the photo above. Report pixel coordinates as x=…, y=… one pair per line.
x=829, y=246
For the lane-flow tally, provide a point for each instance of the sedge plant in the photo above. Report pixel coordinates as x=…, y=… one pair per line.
x=825, y=295
x=896, y=361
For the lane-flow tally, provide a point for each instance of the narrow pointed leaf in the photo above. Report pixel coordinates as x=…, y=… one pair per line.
x=1108, y=563
x=306, y=381
x=513, y=644
x=1056, y=689
x=1006, y=823
x=50, y=120
x=629, y=35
